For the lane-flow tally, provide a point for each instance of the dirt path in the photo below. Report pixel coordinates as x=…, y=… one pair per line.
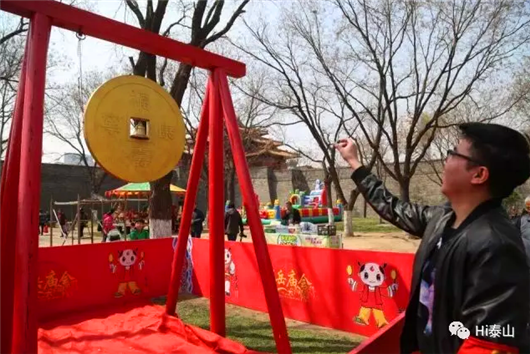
x=381, y=241
x=391, y=241
x=378, y=241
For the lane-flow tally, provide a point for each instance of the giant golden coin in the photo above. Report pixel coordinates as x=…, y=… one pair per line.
x=134, y=129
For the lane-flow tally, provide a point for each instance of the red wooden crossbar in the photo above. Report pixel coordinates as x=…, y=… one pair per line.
x=93, y=25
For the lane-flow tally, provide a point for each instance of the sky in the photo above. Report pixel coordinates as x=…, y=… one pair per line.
x=76, y=57
x=94, y=55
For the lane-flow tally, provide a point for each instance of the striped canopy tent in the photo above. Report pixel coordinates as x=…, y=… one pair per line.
x=139, y=190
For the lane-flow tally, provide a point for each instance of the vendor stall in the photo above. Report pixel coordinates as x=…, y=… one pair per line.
x=139, y=190
x=305, y=234
x=305, y=240
x=125, y=219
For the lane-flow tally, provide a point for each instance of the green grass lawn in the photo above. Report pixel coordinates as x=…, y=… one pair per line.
x=368, y=225
x=252, y=329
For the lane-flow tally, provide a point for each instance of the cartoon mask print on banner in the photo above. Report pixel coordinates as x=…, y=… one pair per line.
x=127, y=266
x=230, y=272
x=373, y=290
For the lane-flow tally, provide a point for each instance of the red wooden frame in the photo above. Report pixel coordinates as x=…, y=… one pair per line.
x=20, y=189
x=93, y=25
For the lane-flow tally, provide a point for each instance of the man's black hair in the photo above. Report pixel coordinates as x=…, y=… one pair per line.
x=504, y=151
x=231, y=205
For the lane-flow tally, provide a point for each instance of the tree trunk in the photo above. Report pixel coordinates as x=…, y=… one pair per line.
x=331, y=217
x=180, y=83
x=232, y=186
x=97, y=177
x=348, y=213
x=404, y=189
x=160, y=202
x=364, y=208
x=328, y=179
x=160, y=208
x=347, y=218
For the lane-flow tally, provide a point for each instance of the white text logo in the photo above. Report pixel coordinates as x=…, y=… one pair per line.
x=456, y=328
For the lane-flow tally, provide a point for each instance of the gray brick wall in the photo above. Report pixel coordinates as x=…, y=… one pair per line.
x=65, y=182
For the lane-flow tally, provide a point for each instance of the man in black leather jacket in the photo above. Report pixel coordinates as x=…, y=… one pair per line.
x=471, y=256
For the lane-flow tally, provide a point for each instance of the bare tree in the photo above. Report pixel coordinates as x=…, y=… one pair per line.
x=447, y=135
x=64, y=121
x=405, y=65
x=445, y=139
x=205, y=18
x=13, y=31
x=522, y=89
x=20, y=28
x=297, y=88
x=254, y=118
x=12, y=37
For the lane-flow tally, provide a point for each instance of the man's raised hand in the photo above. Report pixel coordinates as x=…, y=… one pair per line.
x=348, y=150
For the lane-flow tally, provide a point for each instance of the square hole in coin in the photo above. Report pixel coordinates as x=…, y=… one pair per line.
x=139, y=128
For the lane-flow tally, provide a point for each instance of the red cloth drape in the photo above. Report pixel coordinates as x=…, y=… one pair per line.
x=144, y=329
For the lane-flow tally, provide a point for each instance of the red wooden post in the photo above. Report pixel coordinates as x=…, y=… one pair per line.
x=256, y=229
x=199, y=150
x=27, y=236
x=9, y=195
x=216, y=212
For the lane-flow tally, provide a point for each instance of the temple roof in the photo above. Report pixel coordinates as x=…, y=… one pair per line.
x=257, y=143
x=277, y=152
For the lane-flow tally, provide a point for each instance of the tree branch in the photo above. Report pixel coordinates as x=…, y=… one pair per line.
x=239, y=11
x=21, y=29
x=133, y=5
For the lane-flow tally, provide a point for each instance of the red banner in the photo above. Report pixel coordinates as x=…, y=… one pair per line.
x=354, y=291
x=75, y=278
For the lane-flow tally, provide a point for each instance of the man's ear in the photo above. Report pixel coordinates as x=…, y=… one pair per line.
x=481, y=175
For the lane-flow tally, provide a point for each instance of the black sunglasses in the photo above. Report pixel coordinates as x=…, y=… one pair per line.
x=470, y=159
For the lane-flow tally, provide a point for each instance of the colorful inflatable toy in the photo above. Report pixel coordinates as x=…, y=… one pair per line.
x=312, y=206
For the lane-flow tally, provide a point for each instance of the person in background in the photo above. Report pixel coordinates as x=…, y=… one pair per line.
x=197, y=218
x=522, y=223
x=130, y=217
x=42, y=222
x=292, y=216
x=48, y=219
x=62, y=222
x=174, y=217
x=145, y=213
x=470, y=266
x=108, y=224
x=512, y=213
x=114, y=235
x=233, y=222
x=138, y=232
x=82, y=220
